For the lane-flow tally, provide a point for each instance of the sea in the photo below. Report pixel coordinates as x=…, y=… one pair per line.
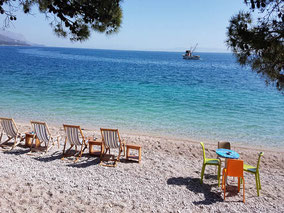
x=142, y=92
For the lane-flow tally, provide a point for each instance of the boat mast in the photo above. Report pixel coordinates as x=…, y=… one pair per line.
x=194, y=48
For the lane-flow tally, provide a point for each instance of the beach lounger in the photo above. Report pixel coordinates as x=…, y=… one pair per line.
x=10, y=129
x=111, y=140
x=42, y=133
x=74, y=136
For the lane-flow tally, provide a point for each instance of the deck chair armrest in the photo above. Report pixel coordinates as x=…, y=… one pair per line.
x=58, y=140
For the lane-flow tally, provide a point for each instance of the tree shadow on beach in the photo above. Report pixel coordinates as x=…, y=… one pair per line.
x=194, y=185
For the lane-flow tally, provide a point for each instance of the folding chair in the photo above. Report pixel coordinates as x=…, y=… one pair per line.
x=111, y=140
x=10, y=129
x=73, y=134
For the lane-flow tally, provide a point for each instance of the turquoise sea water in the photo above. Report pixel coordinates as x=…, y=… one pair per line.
x=152, y=93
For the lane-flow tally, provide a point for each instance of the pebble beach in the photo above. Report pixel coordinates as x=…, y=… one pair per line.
x=166, y=180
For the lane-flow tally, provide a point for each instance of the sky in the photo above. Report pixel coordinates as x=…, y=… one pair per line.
x=155, y=25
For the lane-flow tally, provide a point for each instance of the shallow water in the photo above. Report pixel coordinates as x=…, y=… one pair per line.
x=154, y=93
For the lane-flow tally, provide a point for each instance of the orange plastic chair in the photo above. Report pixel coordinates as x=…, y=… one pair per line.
x=234, y=169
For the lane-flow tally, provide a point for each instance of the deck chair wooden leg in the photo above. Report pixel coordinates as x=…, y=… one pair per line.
x=118, y=157
x=1, y=137
x=47, y=146
x=68, y=150
x=6, y=141
x=58, y=142
x=15, y=144
x=64, y=149
x=81, y=152
x=85, y=147
x=102, y=155
x=66, y=153
x=123, y=149
x=47, y=149
x=53, y=142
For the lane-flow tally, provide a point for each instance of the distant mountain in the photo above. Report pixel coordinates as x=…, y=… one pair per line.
x=4, y=40
x=14, y=39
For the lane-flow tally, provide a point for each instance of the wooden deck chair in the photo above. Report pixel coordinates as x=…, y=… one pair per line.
x=42, y=133
x=111, y=140
x=10, y=129
x=73, y=134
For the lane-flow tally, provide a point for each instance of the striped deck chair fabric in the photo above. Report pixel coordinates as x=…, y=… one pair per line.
x=73, y=135
x=10, y=129
x=43, y=135
x=111, y=140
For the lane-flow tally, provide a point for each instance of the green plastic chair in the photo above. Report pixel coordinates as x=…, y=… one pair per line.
x=208, y=161
x=255, y=170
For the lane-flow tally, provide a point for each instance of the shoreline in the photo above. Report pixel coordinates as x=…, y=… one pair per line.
x=25, y=127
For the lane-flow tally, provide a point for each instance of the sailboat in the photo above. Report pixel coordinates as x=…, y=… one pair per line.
x=189, y=54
